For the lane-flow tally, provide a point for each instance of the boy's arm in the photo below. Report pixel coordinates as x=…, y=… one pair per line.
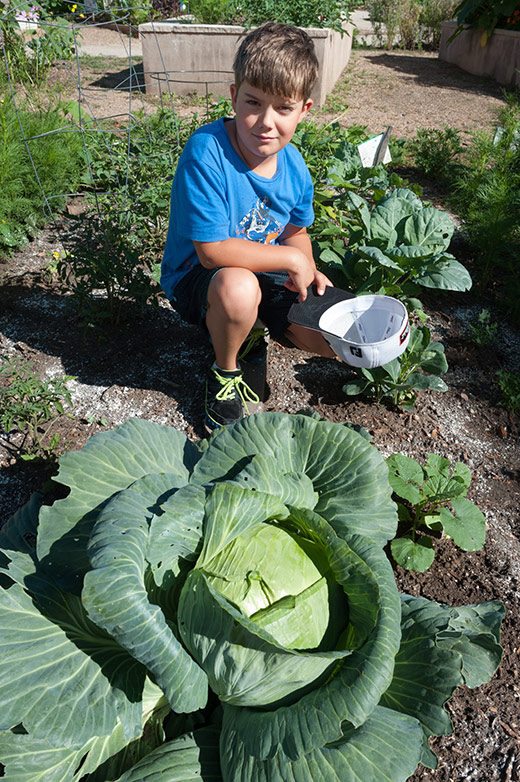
x=287, y=256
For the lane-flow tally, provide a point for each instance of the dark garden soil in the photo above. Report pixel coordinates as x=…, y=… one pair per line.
x=153, y=367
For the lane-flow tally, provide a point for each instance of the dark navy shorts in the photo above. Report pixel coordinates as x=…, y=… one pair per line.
x=190, y=299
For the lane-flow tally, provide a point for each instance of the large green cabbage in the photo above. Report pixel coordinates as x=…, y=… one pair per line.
x=223, y=611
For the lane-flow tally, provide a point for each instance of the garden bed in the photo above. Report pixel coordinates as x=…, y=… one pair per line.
x=499, y=58
x=183, y=57
x=153, y=367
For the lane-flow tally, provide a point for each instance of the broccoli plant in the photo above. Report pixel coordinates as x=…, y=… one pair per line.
x=223, y=611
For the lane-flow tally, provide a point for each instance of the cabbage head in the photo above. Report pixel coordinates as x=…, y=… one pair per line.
x=223, y=610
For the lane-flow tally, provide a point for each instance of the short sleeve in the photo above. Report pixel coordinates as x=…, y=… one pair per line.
x=302, y=215
x=199, y=202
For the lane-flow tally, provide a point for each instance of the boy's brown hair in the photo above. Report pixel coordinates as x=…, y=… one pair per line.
x=278, y=59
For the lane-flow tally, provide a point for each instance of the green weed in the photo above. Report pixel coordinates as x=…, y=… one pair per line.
x=484, y=331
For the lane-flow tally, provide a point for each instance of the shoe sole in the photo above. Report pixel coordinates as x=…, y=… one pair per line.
x=252, y=409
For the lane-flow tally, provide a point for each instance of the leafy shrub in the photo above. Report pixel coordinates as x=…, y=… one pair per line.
x=434, y=152
x=303, y=13
x=410, y=23
x=485, y=15
x=432, y=499
x=432, y=14
x=214, y=11
x=166, y=9
x=224, y=611
x=397, y=248
x=28, y=55
x=103, y=270
x=486, y=194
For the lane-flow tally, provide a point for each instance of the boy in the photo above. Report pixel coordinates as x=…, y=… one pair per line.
x=237, y=246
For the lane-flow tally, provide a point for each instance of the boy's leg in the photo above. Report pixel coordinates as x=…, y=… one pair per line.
x=273, y=310
x=232, y=308
x=309, y=340
x=233, y=299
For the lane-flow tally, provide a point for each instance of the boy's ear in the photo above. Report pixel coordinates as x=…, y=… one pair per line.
x=233, y=92
x=306, y=108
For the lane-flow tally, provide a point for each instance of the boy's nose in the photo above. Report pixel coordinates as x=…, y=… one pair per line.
x=266, y=118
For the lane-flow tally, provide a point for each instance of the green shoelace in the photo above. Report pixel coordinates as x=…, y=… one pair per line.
x=235, y=385
x=251, y=341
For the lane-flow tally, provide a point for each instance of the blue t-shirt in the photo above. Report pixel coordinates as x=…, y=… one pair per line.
x=215, y=196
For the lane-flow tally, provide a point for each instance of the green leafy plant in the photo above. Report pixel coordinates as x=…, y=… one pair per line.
x=484, y=331
x=103, y=271
x=224, y=611
x=397, y=247
x=214, y=11
x=303, y=13
x=485, y=15
x=31, y=406
x=417, y=369
x=410, y=24
x=28, y=54
x=432, y=499
x=509, y=383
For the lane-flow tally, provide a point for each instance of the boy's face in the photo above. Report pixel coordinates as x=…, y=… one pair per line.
x=264, y=123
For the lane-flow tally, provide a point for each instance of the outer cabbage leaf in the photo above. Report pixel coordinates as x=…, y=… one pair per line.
x=356, y=686
x=175, y=536
x=386, y=747
x=290, y=488
x=116, y=598
x=36, y=760
x=109, y=462
x=190, y=758
x=474, y=632
x=349, y=474
x=441, y=648
x=60, y=675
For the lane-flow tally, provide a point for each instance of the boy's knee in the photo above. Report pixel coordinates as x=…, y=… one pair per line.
x=235, y=287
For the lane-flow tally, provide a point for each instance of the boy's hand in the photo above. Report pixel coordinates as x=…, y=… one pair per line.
x=318, y=278
x=321, y=281
x=303, y=272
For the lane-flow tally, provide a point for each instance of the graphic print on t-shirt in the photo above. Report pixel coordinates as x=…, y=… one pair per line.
x=259, y=225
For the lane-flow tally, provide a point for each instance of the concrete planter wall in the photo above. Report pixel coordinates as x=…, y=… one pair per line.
x=182, y=58
x=499, y=58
